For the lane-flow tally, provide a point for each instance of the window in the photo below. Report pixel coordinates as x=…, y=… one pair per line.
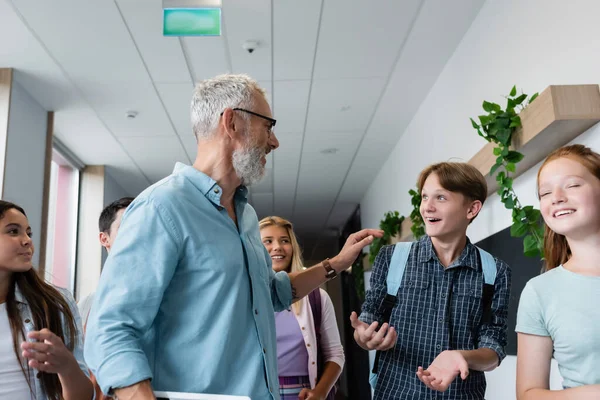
x=63, y=202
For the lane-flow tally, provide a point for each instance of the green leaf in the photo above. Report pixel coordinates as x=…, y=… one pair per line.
x=518, y=229
x=508, y=182
x=515, y=122
x=491, y=107
x=502, y=122
x=509, y=203
x=510, y=104
x=504, y=151
x=484, y=119
x=534, y=216
x=482, y=135
x=535, y=253
x=504, y=136
x=513, y=91
x=533, y=97
x=514, y=156
x=530, y=246
x=474, y=123
x=497, y=151
x=500, y=177
x=494, y=168
x=520, y=99
x=510, y=167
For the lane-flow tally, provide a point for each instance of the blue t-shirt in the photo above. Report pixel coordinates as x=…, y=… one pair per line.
x=564, y=306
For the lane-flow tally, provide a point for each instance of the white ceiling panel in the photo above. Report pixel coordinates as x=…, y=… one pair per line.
x=321, y=175
x=343, y=104
x=163, y=55
x=177, y=98
x=112, y=102
x=311, y=215
x=295, y=27
x=91, y=148
x=155, y=155
x=265, y=185
x=341, y=213
x=208, y=56
x=34, y=68
x=440, y=28
x=263, y=204
x=291, y=102
x=236, y=15
x=93, y=68
x=286, y=162
x=190, y=145
x=360, y=39
x=128, y=177
x=89, y=39
x=268, y=88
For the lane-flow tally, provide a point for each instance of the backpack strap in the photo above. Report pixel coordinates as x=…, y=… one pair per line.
x=393, y=281
x=314, y=298
x=488, y=266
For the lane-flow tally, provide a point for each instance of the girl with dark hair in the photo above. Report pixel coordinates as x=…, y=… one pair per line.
x=40, y=334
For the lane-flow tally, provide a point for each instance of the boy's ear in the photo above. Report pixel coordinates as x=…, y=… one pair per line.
x=103, y=239
x=474, y=208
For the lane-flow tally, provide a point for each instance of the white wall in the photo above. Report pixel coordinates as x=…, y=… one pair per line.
x=112, y=190
x=25, y=158
x=530, y=43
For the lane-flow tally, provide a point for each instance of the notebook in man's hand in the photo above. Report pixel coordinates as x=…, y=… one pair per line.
x=195, y=396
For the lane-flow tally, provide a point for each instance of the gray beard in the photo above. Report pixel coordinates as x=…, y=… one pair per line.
x=248, y=165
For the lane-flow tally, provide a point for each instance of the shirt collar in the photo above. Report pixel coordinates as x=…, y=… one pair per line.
x=19, y=296
x=467, y=258
x=206, y=185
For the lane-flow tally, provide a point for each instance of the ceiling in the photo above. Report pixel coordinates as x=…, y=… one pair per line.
x=340, y=74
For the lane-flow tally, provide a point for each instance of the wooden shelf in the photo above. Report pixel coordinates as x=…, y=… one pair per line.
x=557, y=116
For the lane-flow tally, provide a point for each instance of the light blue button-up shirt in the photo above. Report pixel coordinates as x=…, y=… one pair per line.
x=186, y=298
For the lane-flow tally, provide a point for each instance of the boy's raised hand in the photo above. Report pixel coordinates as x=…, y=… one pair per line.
x=367, y=336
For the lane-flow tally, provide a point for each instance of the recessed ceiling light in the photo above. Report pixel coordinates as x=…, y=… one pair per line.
x=345, y=108
x=330, y=150
x=131, y=114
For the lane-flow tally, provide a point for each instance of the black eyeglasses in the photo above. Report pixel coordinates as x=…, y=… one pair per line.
x=271, y=120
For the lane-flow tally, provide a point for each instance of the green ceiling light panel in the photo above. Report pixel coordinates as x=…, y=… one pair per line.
x=192, y=22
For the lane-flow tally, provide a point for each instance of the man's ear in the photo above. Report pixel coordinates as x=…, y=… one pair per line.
x=229, y=124
x=474, y=209
x=103, y=236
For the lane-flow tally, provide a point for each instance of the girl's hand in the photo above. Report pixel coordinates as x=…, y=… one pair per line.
x=49, y=353
x=308, y=394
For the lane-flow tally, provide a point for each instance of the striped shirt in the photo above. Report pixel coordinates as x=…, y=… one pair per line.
x=437, y=309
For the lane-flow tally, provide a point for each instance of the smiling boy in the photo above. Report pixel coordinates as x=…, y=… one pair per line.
x=447, y=327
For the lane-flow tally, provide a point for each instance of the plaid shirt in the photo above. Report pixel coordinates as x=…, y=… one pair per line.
x=437, y=309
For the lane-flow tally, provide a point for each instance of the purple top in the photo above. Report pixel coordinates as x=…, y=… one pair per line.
x=292, y=356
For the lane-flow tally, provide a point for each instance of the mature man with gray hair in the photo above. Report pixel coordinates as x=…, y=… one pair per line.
x=187, y=295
